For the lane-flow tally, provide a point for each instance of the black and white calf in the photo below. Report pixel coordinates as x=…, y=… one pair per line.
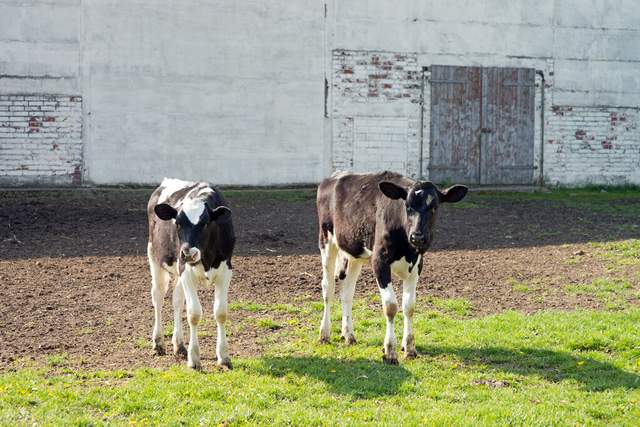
x=386, y=219
x=190, y=238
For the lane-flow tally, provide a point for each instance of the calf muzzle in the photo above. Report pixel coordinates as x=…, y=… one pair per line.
x=419, y=241
x=190, y=255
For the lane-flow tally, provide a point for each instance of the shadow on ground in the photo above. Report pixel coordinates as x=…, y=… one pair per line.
x=554, y=366
x=103, y=222
x=359, y=378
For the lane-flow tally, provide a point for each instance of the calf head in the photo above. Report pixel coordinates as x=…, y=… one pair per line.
x=191, y=220
x=422, y=201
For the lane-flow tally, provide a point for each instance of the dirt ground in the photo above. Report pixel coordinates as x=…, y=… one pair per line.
x=75, y=278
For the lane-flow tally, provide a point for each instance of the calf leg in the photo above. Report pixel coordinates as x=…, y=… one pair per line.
x=408, y=307
x=178, y=305
x=220, y=312
x=194, y=313
x=347, y=289
x=389, y=307
x=328, y=253
x=159, y=284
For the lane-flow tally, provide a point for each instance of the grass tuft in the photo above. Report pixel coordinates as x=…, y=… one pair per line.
x=526, y=286
x=57, y=360
x=453, y=306
x=623, y=252
x=268, y=324
x=611, y=292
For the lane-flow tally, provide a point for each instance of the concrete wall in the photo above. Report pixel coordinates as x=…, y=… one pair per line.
x=234, y=92
x=40, y=46
x=229, y=91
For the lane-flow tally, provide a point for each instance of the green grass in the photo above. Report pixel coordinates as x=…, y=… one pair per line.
x=613, y=293
x=56, y=360
x=592, y=193
x=551, y=368
x=453, y=306
x=268, y=324
x=168, y=330
x=527, y=286
x=287, y=195
x=255, y=307
x=142, y=343
x=616, y=201
x=623, y=252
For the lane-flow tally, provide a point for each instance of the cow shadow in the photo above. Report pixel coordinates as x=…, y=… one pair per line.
x=359, y=378
x=553, y=366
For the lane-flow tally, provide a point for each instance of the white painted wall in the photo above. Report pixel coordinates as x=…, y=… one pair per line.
x=39, y=46
x=233, y=91
x=225, y=91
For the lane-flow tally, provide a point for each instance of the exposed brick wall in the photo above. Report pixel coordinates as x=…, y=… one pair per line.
x=587, y=145
x=376, y=111
x=40, y=139
x=374, y=77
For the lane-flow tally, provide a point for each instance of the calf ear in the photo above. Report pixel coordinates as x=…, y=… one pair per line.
x=392, y=190
x=453, y=194
x=165, y=212
x=218, y=212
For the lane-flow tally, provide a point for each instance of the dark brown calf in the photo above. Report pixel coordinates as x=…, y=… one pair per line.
x=385, y=219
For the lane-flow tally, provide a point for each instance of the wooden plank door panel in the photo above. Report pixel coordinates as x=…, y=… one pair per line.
x=507, y=132
x=455, y=118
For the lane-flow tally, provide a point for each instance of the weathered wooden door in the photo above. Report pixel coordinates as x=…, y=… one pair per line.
x=482, y=122
x=456, y=94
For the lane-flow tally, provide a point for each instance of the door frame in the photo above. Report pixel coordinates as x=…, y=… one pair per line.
x=540, y=104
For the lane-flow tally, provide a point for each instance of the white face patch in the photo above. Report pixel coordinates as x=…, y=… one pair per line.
x=170, y=186
x=193, y=209
x=419, y=192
